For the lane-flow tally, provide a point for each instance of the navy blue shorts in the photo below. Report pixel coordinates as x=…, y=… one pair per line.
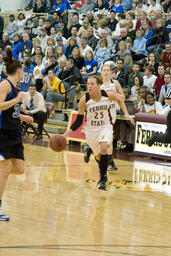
x=15, y=151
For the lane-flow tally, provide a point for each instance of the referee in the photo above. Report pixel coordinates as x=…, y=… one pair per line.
x=163, y=137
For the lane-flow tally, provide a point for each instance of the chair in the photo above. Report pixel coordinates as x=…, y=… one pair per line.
x=30, y=129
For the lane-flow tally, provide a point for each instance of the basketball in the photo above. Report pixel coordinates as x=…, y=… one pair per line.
x=58, y=142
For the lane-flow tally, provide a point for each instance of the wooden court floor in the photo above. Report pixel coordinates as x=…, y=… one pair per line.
x=56, y=209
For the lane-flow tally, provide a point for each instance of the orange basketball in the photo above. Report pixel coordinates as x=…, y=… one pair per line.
x=58, y=142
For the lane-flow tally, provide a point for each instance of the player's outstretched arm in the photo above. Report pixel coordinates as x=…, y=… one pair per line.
x=119, y=89
x=4, y=90
x=79, y=119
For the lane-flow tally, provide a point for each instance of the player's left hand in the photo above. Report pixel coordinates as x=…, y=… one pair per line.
x=130, y=119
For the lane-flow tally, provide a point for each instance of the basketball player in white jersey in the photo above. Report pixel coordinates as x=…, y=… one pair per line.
x=99, y=130
x=108, y=85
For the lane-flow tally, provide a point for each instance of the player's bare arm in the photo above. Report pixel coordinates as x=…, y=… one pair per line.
x=80, y=115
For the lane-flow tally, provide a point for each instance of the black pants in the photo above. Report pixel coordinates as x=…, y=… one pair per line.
x=40, y=117
x=164, y=137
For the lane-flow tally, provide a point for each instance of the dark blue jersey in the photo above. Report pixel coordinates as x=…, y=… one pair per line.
x=10, y=126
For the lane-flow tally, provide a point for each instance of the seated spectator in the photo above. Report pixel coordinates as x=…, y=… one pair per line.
x=131, y=17
x=152, y=61
x=60, y=7
x=56, y=17
x=51, y=42
x=135, y=72
x=125, y=54
x=166, y=4
x=41, y=23
x=59, y=33
x=88, y=6
x=51, y=64
x=112, y=21
x=149, y=78
x=103, y=53
x=59, y=41
x=84, y=47
x=37, y=73
x=26, y=45
x=15, y=47
x=74, y=31
x=165, y=88
x=60, y=53
x=168, y=25
x=90, y=66
x=5, y=40
x=161, y=37
x=121, y=72
x=139, y=47
x=34, y=104
x=166, y=55
x=27, y=75
x=122, y=37
x=142, y=93
x=38, y=51
x=61, y=65
x=43, y=39
x=49, y=51
x=73, y=71
x=48, y=26
x=21, y=23
x=149, y=105
x=117, y=7
x=159, y=81
x=104, y=35
x=83, y=29
x=78, y=60
x=71, y=45
x=130, y=30
x=142, y=18
x=148, y=33
x=100, y=8
x=53, y=33
x=90, y=17
x=50, y=89
x=12, y=26
x=40, y=7
x=103, y=27
x=75, y=23
x=92, y=40
x=138, y=83
x=153, y=7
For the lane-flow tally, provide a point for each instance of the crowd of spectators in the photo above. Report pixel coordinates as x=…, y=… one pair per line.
x=76, y=38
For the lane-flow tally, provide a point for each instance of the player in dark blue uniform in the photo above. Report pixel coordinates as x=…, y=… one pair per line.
x=11, y=147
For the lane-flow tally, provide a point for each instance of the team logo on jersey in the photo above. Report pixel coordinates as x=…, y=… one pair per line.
x=17, y=111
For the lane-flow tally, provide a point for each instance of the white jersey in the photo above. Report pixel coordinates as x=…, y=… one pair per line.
x=98, y=113
x=113, y=104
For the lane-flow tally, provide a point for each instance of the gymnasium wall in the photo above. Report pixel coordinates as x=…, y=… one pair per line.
x=11, y=5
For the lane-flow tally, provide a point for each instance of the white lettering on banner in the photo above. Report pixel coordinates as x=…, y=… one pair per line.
x=144, y=130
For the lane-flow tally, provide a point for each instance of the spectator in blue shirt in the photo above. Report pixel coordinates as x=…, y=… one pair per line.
x=15, y=47
x=139, y=47
x=60, y=7
x=117, y=7
x=90, y=65
x=65, y=2
x=27, y=75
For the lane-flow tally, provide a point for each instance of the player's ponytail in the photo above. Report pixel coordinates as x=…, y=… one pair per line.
x=11, y=64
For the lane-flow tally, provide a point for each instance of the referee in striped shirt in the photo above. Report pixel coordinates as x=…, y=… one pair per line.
x=163, y=137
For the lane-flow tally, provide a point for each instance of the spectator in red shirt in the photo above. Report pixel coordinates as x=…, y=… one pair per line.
x=166, y=56
x=159, y=80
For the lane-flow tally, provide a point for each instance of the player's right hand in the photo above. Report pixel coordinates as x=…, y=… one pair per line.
x=20, y=96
